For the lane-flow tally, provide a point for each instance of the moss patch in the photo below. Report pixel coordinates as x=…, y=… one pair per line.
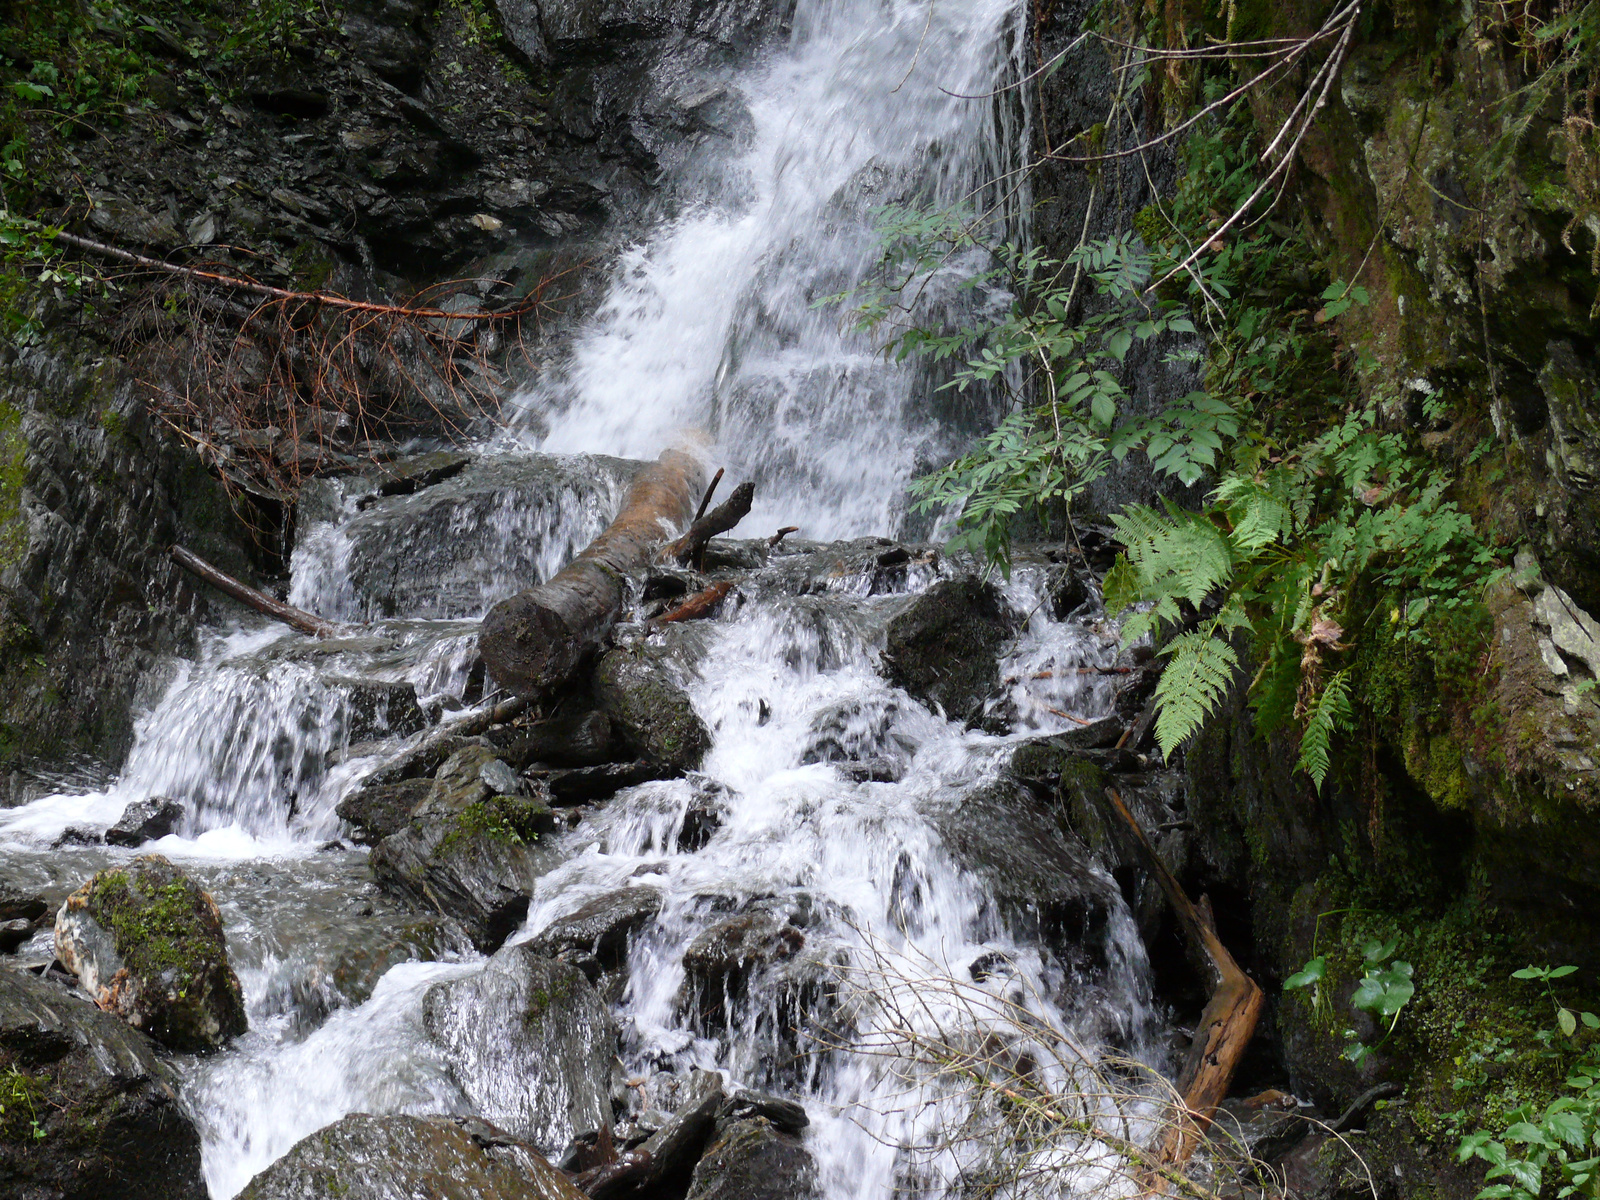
x=513, y=820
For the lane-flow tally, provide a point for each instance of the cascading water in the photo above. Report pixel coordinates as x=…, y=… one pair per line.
x=709, y=324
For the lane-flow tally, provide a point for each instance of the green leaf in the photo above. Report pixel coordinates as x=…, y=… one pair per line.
x=1199, y=675
x=1562, y=972
x=1312, y=972
x=1568, y=1021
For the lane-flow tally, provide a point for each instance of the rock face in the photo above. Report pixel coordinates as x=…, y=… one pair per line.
x=145, y=821
x=363, y=1157
x=640, y=689
x=751, y=1160
x=942, y=647
x=147, y=944
x=531, y=1044
x=105, y=1105
x=595, y=937
x=468, y=851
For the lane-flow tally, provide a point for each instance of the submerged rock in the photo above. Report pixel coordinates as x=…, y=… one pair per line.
x=363, y=1157
x=764, y=956
x=640, y=690
x=469, y=852
x=147, y=944
x=942, y=648
x=89, y=1109
x=751, y=1160
x=145, y=821
x=530, y=1043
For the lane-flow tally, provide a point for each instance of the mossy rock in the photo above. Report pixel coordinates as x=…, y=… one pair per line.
x=147, y=944
x=638, y=690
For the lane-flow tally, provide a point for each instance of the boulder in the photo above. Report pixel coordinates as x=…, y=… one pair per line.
x=145, y=821
x=751, y=1160
x=762, y=956
x=667, y=1153
x=363, y=1157
x=382, y=809
x=942, y=647
x=380, y=708
x=90, y=1110
x=583, y=739
x=147, y=944
x=640, y=689
x=530, y=1044
x=469, y=852
x=595, y=937
x=786, y=1116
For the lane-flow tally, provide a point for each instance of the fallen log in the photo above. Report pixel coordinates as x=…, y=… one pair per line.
x=697, y=605
x=1225, y=1028
x=295, y=618
x=534, y=641
x=720, y=519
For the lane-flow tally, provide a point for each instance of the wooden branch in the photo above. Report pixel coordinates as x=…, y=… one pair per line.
x=711, y=490
x=1225, y=1028
x=534, y=641
x=266, y=291
x=719, y=520
x=296, y=618
x=698, y=605
x=781, y=534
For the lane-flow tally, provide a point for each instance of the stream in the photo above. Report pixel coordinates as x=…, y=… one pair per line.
x=709, y=324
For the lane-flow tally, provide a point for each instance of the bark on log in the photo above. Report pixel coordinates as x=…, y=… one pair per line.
x=697, y=605
x=1225, y=1028
x=296, y=618
x=534, y=641
x=719, y=520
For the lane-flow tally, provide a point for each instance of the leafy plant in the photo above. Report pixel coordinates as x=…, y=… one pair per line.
x=17, y=1104
x=1384, y=991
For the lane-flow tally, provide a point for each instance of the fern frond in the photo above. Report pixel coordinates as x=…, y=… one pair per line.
x=1192, y=685
x=1330, y=712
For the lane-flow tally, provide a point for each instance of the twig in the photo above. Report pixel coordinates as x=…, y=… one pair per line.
x=296, y=618
x=781, y=534
x=697, y=605
x=711, y=489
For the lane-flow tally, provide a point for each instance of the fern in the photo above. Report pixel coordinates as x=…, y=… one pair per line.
x=1191, y=687
x=1331, y=711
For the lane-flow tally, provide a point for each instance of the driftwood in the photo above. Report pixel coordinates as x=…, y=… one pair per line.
x=697, y=605
x=720, y=519
x=781, y=534
x=711, y=490
x=296, y=618
x=534, y=641
x=1225, y=1028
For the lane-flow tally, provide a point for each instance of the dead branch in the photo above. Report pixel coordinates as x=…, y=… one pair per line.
x=698, y=605
x=781, y=534
x=296, y=618
x=691, y=546
x=711, y=490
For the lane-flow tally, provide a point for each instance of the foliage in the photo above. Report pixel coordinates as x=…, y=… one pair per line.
x=1384, y=990
x=19, y=1105
x=1556, y=1145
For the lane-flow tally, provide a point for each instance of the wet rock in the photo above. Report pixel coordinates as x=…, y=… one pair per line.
x=468, y=852
x=642, y=693
x=942, y=648
x=74, y=835
x=147, y=944
x=127, y=224
x=530, y=1044
x=763, y=956
x=583, y=739
x=1042, y=883
x=858, y=731
x=1070, y=590
x=13, y=933
x=365, y=1157
x=408, y=475
x=106, y=1105
x=358, y=969
x=596, y=936
x=670, y=1149
x=786, y=1116
x=16, y=904
x=751, y=1160
x=379, y=810
x=581, y=785
x=145, y=821
x=380, y=709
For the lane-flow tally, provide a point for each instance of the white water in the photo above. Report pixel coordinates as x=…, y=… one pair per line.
x=708, y=324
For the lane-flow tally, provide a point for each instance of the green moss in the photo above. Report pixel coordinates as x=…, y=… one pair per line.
x=159, y=925
x=514, y=820
x=13, y=473
x=22, y=1106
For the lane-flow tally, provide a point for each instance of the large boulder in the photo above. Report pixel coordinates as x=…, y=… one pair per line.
x=469, y=850
x=531, y=1044
x=380, y=810
x=943, y=647
x=751, y=1160
x=147, y=944
x=363, y=1157
x=89, y=1108
x=641, y=688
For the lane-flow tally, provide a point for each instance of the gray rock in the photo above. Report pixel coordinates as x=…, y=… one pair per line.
x=751, y=1160
x=786, y=1116
x=13, y=933
x=468, y=852
x=379, y=708
x=382, y=809
x=584, y=739
x=766, y=958
x=17, y=904
x=363, y=1157
x=942, y=648
x=596, y=936
x=639, y=688
x=581, y=785
x=145, y=821
x=130, y=225
x=530, y=1043
x=106, y=1104
x=147, y=944
x=407, y=475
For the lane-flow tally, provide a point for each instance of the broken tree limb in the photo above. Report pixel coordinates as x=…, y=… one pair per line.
x=711, y=490
x=295, y=618
x=697, y=605
x=1226, y=1026
x=720, y=519
x=534, y=641
x=781, y=534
